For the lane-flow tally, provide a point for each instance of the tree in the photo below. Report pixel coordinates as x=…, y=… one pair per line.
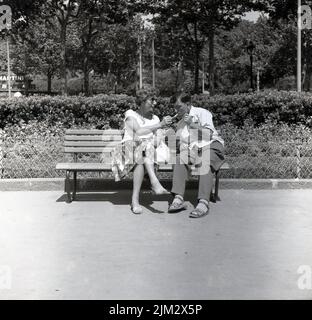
x=59, y=14
x=232, y=59
x=116, y=54
x=93, y=17
x=286, y=11
x=201, y=19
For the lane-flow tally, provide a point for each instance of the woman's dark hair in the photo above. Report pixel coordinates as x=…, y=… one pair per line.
x=142, y=96
x=184, y=98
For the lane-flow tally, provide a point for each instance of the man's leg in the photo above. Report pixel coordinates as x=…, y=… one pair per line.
x=204, y=191
x=205, y=186
x=180, y=175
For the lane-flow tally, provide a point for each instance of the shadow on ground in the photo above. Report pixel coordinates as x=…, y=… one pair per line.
x=146, y=199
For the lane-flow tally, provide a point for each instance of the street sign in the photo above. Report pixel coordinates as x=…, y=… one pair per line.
x=5, y=17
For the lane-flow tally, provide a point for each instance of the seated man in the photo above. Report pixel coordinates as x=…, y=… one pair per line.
x=201, y=145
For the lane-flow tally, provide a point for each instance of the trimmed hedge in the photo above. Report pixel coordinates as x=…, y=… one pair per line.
x=107, y=111
x=275, y=106
x=102, y=111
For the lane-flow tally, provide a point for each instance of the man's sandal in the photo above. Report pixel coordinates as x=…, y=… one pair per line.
x=198, y=213
x=177, y=205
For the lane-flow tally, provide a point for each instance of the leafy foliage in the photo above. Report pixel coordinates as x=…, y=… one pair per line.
x=107, y=111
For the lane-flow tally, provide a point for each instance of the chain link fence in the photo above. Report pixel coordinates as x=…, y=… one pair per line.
x=247, y=159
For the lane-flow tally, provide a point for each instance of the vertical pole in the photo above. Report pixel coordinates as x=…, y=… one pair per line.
x=258, y=80
x=140, y=65
x=9, y=68
x=298, y=161
x=299, y=53
x=203, y=77
x=1, y=154
x=251, y=71
x=153, y=62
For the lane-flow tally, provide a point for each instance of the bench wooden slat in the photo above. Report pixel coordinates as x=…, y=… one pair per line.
x=107, y=167
x=84, y=166
x=88, y=150
x=93, y=138
x=90, y=144
x=165, y=167
x=169, y=167
x=94, y=132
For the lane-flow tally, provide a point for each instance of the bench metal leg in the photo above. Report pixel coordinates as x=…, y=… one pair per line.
x=67, y=187
x=75, y=186
x=216, y=193
x=214, y=197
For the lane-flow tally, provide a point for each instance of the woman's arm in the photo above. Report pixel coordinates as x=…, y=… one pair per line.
x=134, y=126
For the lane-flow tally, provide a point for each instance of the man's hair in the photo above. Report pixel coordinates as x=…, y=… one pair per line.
x=184, y=98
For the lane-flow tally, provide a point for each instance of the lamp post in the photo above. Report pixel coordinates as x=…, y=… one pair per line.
x=203, y=78
x=250, y=49
x=140, y=43
x=153, y=62
x=6, y=24
x=140, y=66
x=299, y=50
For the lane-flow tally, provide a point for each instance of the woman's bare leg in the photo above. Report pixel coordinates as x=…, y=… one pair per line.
x=138, y=175
x=156, y=186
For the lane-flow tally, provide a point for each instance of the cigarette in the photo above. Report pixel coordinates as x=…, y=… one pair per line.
x=175, y=116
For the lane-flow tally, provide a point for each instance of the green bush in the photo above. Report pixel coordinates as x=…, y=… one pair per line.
x=278, y=106
x=107, y=111
x=102, y=111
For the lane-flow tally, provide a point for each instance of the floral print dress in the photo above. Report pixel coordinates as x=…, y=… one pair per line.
x=132, y=149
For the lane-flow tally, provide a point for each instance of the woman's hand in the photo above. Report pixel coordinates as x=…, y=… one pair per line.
x=167, y=121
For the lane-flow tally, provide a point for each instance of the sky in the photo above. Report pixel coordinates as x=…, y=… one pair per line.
x=252, y=16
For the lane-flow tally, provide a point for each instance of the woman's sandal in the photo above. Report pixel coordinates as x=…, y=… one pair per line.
x=197, y=213
x=177, y=205
x=136, y=209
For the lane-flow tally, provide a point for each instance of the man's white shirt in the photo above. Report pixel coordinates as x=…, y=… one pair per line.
x=190, y=136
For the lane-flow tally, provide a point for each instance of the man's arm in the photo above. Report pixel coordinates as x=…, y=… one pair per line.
x=204, y=131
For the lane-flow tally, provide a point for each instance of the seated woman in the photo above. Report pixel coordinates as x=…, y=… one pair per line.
x=137, y=149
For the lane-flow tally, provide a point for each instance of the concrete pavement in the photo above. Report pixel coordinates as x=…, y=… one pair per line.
x=249, y=247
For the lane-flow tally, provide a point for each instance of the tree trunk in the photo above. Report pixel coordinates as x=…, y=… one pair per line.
x=26, y=84
x=86, y=77
x=49, y=76
x=63, y=57
x=211, y=63
x=307, y=68
x=177, y=78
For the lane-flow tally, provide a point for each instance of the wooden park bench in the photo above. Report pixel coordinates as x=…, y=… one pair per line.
x=79, y=142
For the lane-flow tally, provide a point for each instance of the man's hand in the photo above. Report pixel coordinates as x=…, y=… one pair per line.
x=167, y=121
x=188, y=119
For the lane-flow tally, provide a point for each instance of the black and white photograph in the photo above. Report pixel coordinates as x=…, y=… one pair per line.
x=156, y=150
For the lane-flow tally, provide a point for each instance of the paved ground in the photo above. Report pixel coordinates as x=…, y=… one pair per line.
x=250, y=246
